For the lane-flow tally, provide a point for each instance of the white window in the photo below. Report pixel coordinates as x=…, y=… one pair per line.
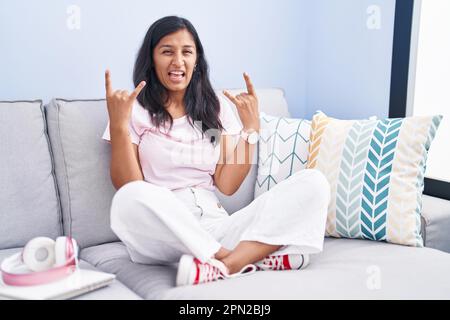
x=430, y=92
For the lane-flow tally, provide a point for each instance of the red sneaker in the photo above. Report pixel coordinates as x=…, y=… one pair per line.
x=283, y=262
x=191, y=271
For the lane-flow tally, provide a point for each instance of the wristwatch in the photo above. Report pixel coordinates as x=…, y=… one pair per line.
x=251, y=136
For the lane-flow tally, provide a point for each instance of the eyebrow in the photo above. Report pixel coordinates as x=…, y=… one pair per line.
x=169, y=46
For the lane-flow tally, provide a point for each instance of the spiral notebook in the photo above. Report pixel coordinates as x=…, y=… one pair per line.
x=80, y=282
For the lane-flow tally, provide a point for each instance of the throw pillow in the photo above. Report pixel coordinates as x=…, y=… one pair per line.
x=282, y=150
x=376, y=172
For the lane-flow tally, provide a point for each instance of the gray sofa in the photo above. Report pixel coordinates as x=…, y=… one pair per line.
x=54, y=180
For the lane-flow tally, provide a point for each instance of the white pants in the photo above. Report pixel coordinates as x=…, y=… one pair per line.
x=158, y=225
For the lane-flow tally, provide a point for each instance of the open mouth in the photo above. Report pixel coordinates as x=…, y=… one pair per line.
x=176, y=76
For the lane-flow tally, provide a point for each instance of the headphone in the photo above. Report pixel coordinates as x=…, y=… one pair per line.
x=42, y=260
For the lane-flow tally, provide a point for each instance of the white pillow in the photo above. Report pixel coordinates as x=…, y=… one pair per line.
x=282, y=150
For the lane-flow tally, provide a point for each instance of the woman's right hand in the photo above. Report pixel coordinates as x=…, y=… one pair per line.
x=120, y=103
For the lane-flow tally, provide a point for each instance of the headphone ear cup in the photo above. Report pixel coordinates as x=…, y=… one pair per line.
x=75, y=248
x=39, y=254
x=62, y=255
x=60, y=251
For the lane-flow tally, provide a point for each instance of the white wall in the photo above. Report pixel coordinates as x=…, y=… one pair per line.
x=41, y=57
x=349, y=57
x=321, y=52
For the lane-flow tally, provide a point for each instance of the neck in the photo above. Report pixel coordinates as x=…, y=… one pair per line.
x=176, y=105
x=176, y=99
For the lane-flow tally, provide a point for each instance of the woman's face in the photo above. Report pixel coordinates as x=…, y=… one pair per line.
x=175, y=57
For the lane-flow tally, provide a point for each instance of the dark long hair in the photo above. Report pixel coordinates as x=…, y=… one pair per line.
x=201, y=102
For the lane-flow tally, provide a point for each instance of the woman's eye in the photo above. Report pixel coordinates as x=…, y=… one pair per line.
x=164, y=52
x=188, y=52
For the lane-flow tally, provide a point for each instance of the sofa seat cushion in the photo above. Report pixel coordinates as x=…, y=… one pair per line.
x=114, y=291
x=436, y=223
x=346, y=269
x=148, y=281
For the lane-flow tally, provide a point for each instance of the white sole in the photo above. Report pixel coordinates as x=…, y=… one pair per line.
x=184, y=270
x=305, y=261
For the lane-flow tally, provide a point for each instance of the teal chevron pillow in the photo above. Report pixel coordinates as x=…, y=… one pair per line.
x=282, y=150
x=376, y=172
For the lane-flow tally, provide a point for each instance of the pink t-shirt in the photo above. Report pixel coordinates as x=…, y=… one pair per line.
x=179, y=158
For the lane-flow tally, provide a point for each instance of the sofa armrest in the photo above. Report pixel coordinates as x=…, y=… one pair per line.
x=436, y=223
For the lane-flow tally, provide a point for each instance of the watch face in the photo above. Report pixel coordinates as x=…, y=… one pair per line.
x=253, y=138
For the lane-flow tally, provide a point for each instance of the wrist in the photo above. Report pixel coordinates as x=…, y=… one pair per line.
x=250, y=135
x=250, y=129
x=123, y=127
x=118, y=131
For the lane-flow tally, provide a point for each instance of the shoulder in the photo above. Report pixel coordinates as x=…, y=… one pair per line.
x=227, y=109
x=229, y=117
x=140, y=117
x=139, y=112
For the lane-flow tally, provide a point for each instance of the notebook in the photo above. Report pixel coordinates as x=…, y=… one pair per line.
x=81, y=281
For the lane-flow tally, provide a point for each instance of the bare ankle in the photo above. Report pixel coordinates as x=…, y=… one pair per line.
x=232, y=267
x=222, y=253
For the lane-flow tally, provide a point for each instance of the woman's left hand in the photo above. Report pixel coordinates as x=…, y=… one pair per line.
x=246, y=105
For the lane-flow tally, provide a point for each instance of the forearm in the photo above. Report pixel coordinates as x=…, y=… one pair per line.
x=124, y=164
x=237, y=167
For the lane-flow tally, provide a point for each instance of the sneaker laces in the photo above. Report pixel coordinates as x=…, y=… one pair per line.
x=208, y=271
x=275, y=263
x=215, y=270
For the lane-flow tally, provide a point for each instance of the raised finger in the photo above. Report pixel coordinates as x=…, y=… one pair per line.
x=248, y=82
x=138, y=89
x=108, y=86
x=229, y=96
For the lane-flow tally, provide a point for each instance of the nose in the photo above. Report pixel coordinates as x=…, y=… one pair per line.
x=178, y=60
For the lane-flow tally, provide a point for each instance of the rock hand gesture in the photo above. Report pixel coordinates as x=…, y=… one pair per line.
x=120, y=103
x=246, y=105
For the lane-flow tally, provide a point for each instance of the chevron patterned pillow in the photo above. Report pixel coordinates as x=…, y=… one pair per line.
x=376, y=172
x=282, y=150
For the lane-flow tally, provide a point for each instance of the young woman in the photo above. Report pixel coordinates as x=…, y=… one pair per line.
x=174, y=142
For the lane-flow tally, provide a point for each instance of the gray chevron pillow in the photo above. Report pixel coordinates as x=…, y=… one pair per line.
x=282, y=150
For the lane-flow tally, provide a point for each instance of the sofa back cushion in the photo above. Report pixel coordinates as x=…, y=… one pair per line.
x=82, y=161
x=29, y=205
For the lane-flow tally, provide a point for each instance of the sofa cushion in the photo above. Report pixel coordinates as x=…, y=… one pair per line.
x=82, y=161
x=436, y=223
x=270, y=101
x=346, y=269
x=147, y=281
x=29, y=205
x=376, y=171
x=282, y=150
